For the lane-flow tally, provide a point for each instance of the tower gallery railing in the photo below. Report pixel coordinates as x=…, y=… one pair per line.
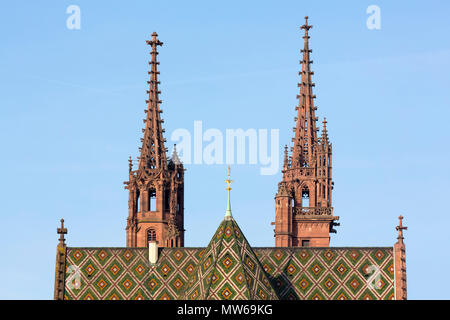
x=313, y=211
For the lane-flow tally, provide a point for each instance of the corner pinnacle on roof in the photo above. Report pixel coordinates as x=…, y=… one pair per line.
x=400, y=229
x=61, y=231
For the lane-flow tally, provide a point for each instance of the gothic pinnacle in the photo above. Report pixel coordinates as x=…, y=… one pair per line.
x=400, y=229
x=61, y=231
x=175, y=157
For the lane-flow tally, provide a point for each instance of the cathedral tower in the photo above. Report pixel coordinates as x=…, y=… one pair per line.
x=156, y=188
x=303, y=211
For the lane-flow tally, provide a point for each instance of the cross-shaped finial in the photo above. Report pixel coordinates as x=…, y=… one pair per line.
x=306, y=26
x=400, y=229
x=229, y=181
x=154, y=42
x=61, y=231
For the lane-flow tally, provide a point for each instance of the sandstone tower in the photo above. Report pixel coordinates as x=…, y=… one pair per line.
x=303, y=210
x=156, y=188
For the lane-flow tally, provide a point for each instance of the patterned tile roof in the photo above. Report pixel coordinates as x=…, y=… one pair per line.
x=295, y=273
x=330, y=273
x=229, y=269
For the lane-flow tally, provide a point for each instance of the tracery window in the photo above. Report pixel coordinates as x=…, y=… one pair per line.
x=151, y=235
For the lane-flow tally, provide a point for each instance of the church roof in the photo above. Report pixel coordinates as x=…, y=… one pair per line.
x=229, y=269
x=294, y=273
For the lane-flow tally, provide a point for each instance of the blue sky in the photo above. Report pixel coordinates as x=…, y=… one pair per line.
x=72, y=101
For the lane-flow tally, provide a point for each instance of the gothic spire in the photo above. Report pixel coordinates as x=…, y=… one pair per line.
x=305, y=138
x=157, y=186
x=153, y=152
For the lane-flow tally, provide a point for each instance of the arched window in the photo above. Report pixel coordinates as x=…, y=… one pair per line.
x=151, y=235
x=138, y=202
x=166, y=199
x=305, y=197
x=152, y=200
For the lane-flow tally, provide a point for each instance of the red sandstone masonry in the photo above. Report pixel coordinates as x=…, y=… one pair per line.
x=400, y=263
x=307, y=173
x=156, y=177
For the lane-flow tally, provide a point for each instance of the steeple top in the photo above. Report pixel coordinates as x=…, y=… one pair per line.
x=153, y=151
x=228, y=181
x=306, y=26
x=154, y=42
x=305, y=139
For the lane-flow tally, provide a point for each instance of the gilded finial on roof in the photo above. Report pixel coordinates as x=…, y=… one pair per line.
x=228, y=182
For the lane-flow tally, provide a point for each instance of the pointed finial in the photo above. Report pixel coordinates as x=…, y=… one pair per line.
x=130, y=164
x=175, y=157
x=61, y=231
x=154, y=42
x=324, y=139
x=306, y=26
x=400, y=229
x=228, y=182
